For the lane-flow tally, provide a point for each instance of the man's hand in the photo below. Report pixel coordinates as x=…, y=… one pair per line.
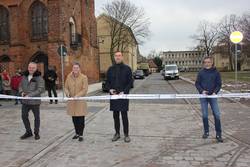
x=23, y=94
x=112, y=92
x=121, y=93
x=204, y=92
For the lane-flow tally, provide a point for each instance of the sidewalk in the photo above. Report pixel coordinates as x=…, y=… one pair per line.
x=56, y=126
x=91, y=89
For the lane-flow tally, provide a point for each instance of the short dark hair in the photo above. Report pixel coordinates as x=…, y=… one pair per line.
x=118, y=52
x=32, y=62
x=208, y=57
x=76, y=63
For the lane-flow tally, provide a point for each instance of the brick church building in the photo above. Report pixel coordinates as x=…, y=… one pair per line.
x=32, y=30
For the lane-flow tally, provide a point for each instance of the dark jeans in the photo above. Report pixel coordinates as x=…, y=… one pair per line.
x=15, y=93
x=25, y=117
x=52, y=88
x=7, y=92
x=216, y=113
x=79, y=124
x=116, y=116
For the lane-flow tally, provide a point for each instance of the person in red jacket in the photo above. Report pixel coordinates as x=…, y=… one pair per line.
x=15, y=82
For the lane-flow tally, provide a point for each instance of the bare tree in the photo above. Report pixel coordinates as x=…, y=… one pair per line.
x=244, y=27
x=125, y=19
x=206, y=37
x=225, y=27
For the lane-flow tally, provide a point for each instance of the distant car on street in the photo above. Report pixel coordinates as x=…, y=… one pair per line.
x=171, y=72
x=139, y=74
x=182, y=69
x=162, y=72
x=145, y=68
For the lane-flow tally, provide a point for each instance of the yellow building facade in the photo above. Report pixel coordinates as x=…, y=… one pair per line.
x=104, y=38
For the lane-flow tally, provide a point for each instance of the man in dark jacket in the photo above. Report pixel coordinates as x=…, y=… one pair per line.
x=208, y=82
x=50, y=82
x=119, y=81
x=32, y=85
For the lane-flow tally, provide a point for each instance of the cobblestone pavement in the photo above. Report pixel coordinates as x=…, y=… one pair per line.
x=163, y=133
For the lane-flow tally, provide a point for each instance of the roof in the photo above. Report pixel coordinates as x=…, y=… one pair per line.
x=152, y=64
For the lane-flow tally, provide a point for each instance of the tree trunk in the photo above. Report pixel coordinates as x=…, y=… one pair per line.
x=231, y=66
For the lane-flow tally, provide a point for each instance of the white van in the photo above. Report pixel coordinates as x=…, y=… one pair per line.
x=171, y=72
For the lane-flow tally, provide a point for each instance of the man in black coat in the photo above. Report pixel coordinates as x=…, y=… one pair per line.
x=119, y=81
x=50, y=82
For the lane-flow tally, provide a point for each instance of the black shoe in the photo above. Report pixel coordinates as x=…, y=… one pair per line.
x=80, y=138
x=16, y=103
x=56, y=102
x=127, y=139
x=75, y=137
x=205, y=135
x=37, y=137
x=116, y=137
x=26, y=135
x=219, y=139
x=51, y=102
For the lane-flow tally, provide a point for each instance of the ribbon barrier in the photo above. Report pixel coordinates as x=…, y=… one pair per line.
x=133, y=97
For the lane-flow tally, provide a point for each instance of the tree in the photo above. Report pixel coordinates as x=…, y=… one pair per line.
x=207, y=37
x=244, y=27
x=152, y=54
x=225, y=27
x=157, y=60
x=123, y=17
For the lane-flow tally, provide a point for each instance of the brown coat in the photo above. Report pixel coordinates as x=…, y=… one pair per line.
x=76, y=87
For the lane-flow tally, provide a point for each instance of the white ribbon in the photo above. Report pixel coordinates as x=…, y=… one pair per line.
x=133, y=97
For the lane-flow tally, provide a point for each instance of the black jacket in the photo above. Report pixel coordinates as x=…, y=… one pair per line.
x=50, y=78
x=119, y=78
x=208, y=80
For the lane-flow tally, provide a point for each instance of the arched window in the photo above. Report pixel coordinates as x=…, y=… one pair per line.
x=4, y=25
x=39, y=21
x=72, y=30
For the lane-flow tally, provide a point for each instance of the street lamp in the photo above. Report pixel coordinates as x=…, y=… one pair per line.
x=236, y=37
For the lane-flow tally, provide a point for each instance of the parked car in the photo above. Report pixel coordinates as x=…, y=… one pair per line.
x=139, y=74
x=105, y=88
x=171, y=72
x=182, y=69
x=162, y=72
x=145, y=68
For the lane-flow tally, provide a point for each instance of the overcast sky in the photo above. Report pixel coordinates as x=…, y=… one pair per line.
x=174, y=21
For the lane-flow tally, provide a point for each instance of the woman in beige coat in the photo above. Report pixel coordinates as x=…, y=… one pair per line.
x=76, y=85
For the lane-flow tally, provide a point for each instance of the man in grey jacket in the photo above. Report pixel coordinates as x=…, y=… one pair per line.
x=32, y=85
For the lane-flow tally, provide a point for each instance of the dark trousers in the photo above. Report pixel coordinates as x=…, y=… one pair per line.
x=79, y=124
x=25, y=117
x=116, y=116
x=15, y=93
x=52, y=88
